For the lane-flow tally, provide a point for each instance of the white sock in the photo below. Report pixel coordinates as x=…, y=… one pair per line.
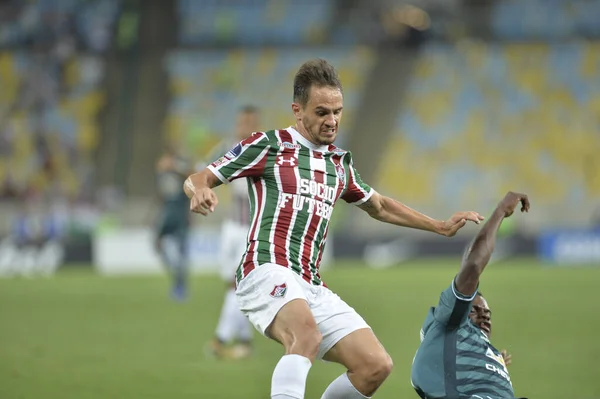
x=342, y=388
x=289, y=377
x=226, y=329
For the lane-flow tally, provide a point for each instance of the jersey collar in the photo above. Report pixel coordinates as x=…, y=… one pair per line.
x=302, y=140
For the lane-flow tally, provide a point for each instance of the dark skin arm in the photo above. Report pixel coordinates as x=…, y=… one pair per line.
x=388, y=210
x=480, y=251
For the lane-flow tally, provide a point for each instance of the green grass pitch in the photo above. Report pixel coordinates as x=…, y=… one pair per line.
x=82, y=336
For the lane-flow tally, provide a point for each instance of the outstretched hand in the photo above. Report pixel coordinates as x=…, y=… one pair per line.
x=507, y=357
x=457, y=221
x=510, y=202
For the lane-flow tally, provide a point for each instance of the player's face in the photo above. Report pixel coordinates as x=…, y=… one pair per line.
x=481, y=315
x=320, y=118
x=247, y=123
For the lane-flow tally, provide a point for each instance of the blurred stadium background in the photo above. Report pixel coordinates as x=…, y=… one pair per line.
x=449, y=104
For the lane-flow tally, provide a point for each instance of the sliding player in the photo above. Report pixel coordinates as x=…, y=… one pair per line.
x=456, y=358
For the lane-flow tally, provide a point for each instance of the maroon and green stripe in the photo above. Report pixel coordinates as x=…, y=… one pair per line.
x=287, y=236
x=301, y=221
x=251, y=155
x=285, y=177
x=309, y=240
x=333, y=160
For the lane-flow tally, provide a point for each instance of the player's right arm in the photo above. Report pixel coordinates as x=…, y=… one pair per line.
x=478, y=254
x=198, y=188
x=246, y=159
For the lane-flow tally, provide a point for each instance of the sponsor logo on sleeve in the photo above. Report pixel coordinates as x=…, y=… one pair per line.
x=234, y=152
x=220, y=162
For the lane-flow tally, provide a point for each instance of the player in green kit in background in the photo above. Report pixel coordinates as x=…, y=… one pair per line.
x=456, y=359
x=174, y=219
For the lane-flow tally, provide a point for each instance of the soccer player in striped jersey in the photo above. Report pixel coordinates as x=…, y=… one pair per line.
x=456, y=359
x=233, y=325
x=295, y=176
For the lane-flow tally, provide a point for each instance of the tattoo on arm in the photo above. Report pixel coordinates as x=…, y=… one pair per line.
x=368, y=206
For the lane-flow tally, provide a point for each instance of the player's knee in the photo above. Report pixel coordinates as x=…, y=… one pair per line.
x=385, y=369
x=295, y=328
x=377, y=369
x=299, y=338
x=307, y=342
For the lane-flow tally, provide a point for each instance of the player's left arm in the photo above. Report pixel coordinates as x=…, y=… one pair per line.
x=391, y=211
x=388, y=210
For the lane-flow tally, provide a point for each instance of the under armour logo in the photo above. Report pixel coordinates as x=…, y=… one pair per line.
x=290, y=161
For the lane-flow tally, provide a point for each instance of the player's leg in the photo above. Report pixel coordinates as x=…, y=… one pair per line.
x=243, y=327
x=234, y=333
x=225, y=331
x=166, y=249
x=162, y=246
x=367, y=362
x=348, y=340
x=274, y=299
x=227, y=326
x=230, y=255
x=180, y=262
x=245, y=331
x=231, y=317
x=295, y=328
x=245, y=335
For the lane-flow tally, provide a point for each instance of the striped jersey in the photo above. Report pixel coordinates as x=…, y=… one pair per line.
x=293, y=186
x=456, y=359
x=240, y=209
x=239, y=212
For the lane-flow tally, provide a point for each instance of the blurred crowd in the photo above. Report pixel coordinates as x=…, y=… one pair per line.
x=53, y=86
x=50, y=69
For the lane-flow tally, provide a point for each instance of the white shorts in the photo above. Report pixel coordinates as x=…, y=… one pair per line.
x=267, y=288
x=234, y=238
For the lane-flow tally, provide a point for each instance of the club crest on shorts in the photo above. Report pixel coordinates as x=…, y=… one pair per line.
x=279, y=291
